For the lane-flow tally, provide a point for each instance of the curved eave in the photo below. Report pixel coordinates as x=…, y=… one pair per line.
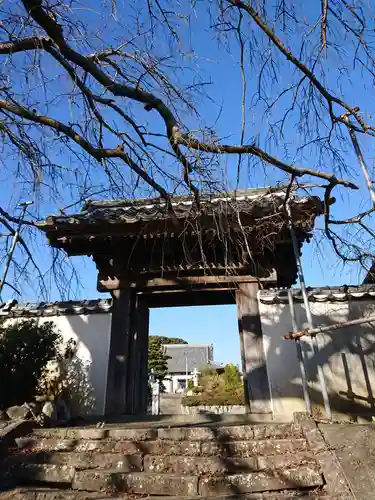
x=154, y=219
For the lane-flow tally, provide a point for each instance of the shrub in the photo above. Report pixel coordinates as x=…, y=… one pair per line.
x=216, y=389
x=225, y=399
x=78, y=392
x=25, y=349
x=65, y=380
x=208, y=371
x=232, y=377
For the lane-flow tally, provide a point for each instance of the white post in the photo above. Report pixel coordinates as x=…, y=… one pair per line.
x=155, y=398
x=155, y=391
x=195, y=374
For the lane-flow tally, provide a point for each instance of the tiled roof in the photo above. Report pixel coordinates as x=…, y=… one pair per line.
x=263, y=201
x=323, y=294
x=14, y=310
x=195, y=353
x=188, y=356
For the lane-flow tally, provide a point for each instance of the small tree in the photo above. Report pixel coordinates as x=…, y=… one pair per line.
x=232, y=377
x=157, y=359
x=25, y=349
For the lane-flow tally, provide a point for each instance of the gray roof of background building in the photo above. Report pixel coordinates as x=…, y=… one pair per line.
x=197, y=356
x=322, y=294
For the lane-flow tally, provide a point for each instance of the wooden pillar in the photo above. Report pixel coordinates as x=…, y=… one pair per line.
x=144, y=321
x=115, y=400
x=127, y=378
x=256, y=386
x=137, y=393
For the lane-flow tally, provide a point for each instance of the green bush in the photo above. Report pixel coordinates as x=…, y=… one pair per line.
x=232, y=377
x=208, y=371
x=25, y=349
x=216, y=389
x=225, y=399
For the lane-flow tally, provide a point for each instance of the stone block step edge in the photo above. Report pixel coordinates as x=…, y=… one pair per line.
x=50, y=494
x=303, y=477
x=164, y=447
x=235, y=432
x=183, y=465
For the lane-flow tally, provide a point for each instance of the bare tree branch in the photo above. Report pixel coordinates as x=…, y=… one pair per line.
x=25, y=44
x=98, y=153
x=323, y=36
x=133, y=105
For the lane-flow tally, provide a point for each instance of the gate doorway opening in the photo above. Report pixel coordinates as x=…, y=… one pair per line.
x=197, y=343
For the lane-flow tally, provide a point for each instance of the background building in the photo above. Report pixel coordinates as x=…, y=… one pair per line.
x=183, y=360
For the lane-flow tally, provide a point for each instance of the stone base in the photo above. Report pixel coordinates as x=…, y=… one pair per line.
x=215, y=410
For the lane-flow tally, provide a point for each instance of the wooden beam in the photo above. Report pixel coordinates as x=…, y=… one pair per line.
x=195, y=280
x=127, y=377
x=256, y=385
x=180, y=282
x=115, y=398
x=137, y=373
x=109, y=283
x=188, y=290
x=196, y=298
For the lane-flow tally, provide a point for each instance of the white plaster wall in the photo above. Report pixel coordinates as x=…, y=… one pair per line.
x=168, y=384
x=172, y=386
x=92, y=333
x=347, y=356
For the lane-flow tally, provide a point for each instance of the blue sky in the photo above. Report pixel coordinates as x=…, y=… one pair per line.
x=217, y=63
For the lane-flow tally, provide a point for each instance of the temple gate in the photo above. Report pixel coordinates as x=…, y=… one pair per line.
x=150, y=253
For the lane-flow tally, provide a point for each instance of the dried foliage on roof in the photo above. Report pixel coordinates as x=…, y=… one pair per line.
x=246, y=233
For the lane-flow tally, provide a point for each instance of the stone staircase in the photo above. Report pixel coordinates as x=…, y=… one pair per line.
x=254, y=461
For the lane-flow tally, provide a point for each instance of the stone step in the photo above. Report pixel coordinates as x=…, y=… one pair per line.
x=80, y=461
x=302, y=477
x=231, y=433
x=315, y=494
x=93, y=434
x=212, y=433
x=164, y=447
x=136, y=483
x=146, y=483
x=51, y=494
x=30, y=473
x=32, y=493
x=160, y=464
x=216, y=465
x=246, y=449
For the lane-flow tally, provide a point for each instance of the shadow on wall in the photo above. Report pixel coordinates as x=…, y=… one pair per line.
x=87, y=371
x=346, y=355
x=80, y=395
